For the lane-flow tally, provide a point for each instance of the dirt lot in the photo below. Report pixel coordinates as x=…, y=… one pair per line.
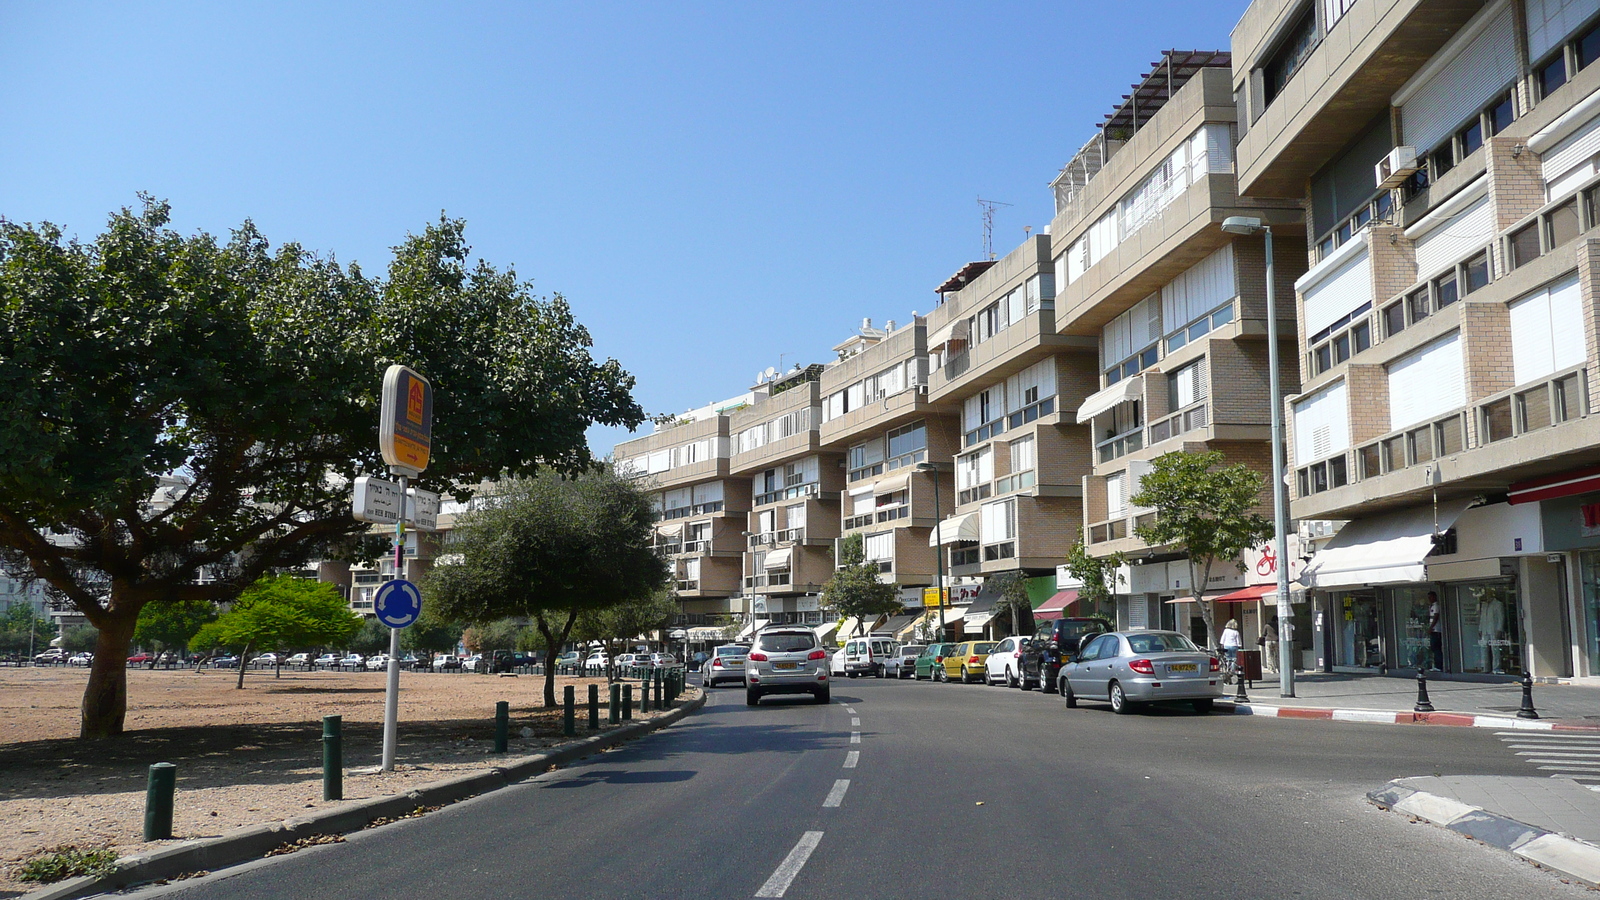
x=243, y=757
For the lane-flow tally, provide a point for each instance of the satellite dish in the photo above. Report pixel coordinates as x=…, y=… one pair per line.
x=771, y=373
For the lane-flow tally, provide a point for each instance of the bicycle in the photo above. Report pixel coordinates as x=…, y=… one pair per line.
x=1228, y=666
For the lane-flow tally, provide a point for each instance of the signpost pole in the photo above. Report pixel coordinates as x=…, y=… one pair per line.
x=391, y=697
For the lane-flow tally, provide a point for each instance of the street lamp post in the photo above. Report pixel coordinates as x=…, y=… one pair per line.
x=1280, y=502
x=938, y=540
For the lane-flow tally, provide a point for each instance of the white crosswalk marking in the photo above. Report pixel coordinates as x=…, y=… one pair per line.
x=1575, y=756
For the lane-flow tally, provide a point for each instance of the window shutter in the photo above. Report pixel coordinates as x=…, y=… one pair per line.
x=1481, y=70
x=1547, y=331
x=1426, y=384
x=1550, y=21
x=1322, y=424
x=1571, y=161
x=1449, y=243
x=1332, y=297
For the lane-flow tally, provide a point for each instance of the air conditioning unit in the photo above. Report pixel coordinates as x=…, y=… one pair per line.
x=1393, y=170
x=922, y=389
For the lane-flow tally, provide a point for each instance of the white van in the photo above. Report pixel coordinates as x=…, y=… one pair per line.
x=867, y=655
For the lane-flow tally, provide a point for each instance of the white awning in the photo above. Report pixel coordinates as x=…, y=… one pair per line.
x=670, y=531
x=952, y=333
x=1124, y=390
x=1385, y=549
x=891, y=484
x=749, y=628
x=975, y=621
x=955, y=530
x=776, y=559
x=848, y=627
x=858, y=491
x=826, y=630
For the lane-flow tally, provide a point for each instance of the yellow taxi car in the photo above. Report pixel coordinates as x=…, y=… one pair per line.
x=966, y=661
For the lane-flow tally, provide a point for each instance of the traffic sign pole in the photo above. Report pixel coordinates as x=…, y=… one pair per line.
x=391, y=697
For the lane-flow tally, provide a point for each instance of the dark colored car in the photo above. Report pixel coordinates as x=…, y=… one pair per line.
x=1054, y=646
x=509, y=660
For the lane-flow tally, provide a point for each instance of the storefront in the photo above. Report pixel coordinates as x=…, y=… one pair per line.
x=1569, y=509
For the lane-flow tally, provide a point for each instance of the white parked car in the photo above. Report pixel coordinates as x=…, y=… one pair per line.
x=378, y=662
x=81, y=659
x=353, y=661
x=868, y=655
x=1004, y=665
x=446, y=661
x=299, y=659
x=836, y=662
x=327, y=661
x=471, y=663
x=663, y=659
x=595, y=663
x=265, y=661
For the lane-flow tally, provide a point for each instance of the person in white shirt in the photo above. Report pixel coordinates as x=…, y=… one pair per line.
x=1231, y=640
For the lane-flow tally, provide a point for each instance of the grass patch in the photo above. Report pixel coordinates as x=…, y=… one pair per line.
x=56, y=863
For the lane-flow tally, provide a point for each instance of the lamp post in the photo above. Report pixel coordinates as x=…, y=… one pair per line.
x=1280, y=502
x=938, y=541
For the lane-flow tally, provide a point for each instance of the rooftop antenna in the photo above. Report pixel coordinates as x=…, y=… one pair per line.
x=989, y=206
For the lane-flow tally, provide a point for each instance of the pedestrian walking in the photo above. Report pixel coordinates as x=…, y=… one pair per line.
x=1269, y=641
x=1435, y=631
x=1231, y=641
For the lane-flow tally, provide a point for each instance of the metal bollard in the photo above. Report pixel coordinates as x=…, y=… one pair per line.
x=158, y=801
x=613, y=708
x=568, y=726
x=1423, y=705
x=594, y=707
x=332, y=758
x=502, y=725
x=644, y=695
x=658, y=689
x=1527, y=711
x=627, y=702
x=1239, y=696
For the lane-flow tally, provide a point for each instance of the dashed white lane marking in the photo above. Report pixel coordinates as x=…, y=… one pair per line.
x=856, y=723
x=855, y=737
x=850, y=710
x=785, y=874
x=851, y=758
x=836, y=796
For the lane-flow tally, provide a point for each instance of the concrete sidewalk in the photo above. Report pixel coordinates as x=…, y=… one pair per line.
x=1554, y=822
x=1568, y=706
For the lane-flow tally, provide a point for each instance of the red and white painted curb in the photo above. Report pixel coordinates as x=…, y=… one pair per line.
x=1391, y=717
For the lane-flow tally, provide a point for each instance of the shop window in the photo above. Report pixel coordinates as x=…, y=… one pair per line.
x=1487, y=620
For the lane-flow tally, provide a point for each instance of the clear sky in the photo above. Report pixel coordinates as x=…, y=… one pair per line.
x=715, y=187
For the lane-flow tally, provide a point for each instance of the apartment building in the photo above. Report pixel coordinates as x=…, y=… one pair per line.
x=702, y=510
x=1445, y=154
x=795, y=488
x=877, y=417
x=1171, y=311
x=999, y=366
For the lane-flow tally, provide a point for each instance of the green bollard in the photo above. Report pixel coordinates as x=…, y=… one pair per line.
x=568, y=726
x=644, y=695
x=594, y=707
x=627, y=702
x=158, y=801
x=658, y=689
x=613, y=709
x=502, y=725
x=332, y=758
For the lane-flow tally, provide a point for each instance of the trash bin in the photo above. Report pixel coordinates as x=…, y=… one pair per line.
x=1250, y=665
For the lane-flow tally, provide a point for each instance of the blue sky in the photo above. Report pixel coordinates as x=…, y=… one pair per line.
x=711, y=185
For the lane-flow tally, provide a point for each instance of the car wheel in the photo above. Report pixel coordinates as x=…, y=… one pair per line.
x=966, y=677
x=1203, y=706
x=878, y=672
x=1119, y=700
x=752, y=697
x=1067, y=695
x=824, y=695
x=1044, y=685
x=1011, y=679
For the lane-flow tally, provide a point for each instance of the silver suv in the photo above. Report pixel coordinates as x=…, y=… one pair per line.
x=786, y=660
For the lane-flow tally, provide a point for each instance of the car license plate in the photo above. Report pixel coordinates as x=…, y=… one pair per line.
x=1183, y=667
x=785, y=666
x=732, y=663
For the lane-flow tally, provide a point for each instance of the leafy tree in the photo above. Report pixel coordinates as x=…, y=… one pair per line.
x=549, y=548
x=854, y=589
x=281, y=613
x=170, y=626
x=1097, y=574
x=370, y=637
x=431, y=634
x=171, y=404
x=22, y=628
x=81, y=639
x=1206, y=508
x=617, y=625
x=1014, y=606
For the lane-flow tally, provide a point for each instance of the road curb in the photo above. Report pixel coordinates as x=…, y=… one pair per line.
x=1572, y=858
x=1392, y=717
x=254, y=841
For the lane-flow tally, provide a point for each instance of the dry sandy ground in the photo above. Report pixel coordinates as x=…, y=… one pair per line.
x=243, y=757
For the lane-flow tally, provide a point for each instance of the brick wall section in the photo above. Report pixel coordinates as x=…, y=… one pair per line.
x=1258, y=456
x=1048, y=526
x=1077, y=376
x=1064, y=453
x=1241, y=390
x=1394, y=265
x=1486, y=354
x=1250, y=272
x=1367, y=391
x=1588, y=253
x=1516, y=184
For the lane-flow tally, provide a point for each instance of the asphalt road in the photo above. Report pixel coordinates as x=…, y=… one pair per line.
x=953, y=790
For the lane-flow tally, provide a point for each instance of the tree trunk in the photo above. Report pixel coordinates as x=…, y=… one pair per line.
x=1205, y=611
x=105, y=698
x=244, y=660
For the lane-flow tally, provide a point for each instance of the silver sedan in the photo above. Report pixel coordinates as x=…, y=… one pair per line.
x=1126, y=668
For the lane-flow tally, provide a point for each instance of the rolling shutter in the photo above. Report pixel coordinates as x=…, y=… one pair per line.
x=1426, y=384
x=1547, y=331
x=1203, y=287
x=1348, y=286
x=1550, y=21
x=1322, y=424
x=1571, y=161
x=1458, y=237
x=1449, y=95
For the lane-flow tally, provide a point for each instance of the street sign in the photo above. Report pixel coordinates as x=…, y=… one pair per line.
x=422, y=510
x=405, y=424
x=397, y=603
x=376, y=500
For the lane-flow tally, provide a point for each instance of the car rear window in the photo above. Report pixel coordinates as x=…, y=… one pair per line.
x=983, y=647
x=1159, y=643
x=787, y=643
x=732, y=651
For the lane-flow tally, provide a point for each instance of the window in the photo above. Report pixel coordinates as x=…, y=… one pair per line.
x=1117, y=495
x=974, y=472
x=1552, y=75
x=998, y=529
x=1128, y=342
x=1339, y=345
x=908, y=445
x=1024, y=454
x=1187, y=385
x=879, y=548
x=1292, y=52
x=1477, y=272
x=1546, y=331
x=865, y=460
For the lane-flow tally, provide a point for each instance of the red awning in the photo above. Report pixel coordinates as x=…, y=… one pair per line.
x=1550, y=487
x=1245, y=595
x=1056, y=606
